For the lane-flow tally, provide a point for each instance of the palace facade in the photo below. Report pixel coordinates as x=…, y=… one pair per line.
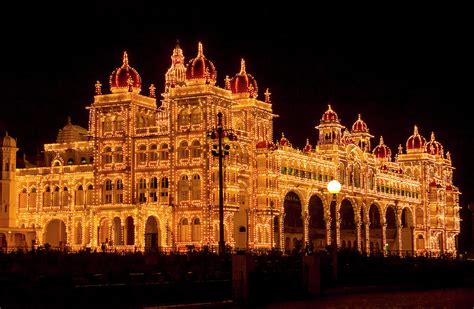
x=142, y=176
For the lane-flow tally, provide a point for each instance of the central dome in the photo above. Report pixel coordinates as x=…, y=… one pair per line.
x=201, y=70
x=330, y=115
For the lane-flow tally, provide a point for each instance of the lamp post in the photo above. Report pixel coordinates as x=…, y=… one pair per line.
x=334, y=187
x=220, y=133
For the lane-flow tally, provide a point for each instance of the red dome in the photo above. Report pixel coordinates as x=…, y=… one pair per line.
x=266, y=145
x=434, y=147
x=244, y=84
x=360, y=126
x=200, y=70
x=307, y=147
x=346, y=138
x=283, y=140
x=381, y=151
x=125, y=78
x=416, y=142
x=330, y=115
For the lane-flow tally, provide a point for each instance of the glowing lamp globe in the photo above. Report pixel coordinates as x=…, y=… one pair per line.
x=334, y=187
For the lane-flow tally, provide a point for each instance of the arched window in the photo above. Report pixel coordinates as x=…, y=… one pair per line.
x=196, y=116
x=47, y=197
x=118, y=155
x=164, y=190
x=183, y=118
x=153, y=189
x=183, y=188
x=65, y=197
x=357, y=176
x=119, y=123
x=23, y=198
x=141, y=192
x=140, y=121
x=79, y=198
x=90, y=190
x=195, y=149
x=196, y=230
x=107, y=155
x=56, y=196
x=108, y=192
x=32, y=199
x=108, y=124
x=196, y=188
x=153, y=153
x=119, y=191
x=164, y=152
x=141, y=155
x=183, y=152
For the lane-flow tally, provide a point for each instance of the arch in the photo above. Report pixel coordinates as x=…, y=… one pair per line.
x=293, y=221
x=130, y=231
x=183, y=151
x=78, y=234
x=153, y=152
x=183, y=188
x=55, y=234
x=196, y=116
x=164, y=188
x=420, y=242
x=391, y=230
x=347, y=227
x=119, y=154
x=164, y=154
x=151, y=234
x=196, y=187
x=89, y=194
x=195, y=149
x=317, y=225
x=117, y=231
x=183, y=230
x=407, y=231
x=419, y=216
x=105, y=231
x=183, y=117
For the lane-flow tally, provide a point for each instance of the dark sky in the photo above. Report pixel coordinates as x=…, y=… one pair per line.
x=397, y=66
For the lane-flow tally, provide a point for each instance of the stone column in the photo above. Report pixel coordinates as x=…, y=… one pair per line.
x=305, y=228
x=367, y=238
x=358, y=232
x=384, y=237
x=328, y=231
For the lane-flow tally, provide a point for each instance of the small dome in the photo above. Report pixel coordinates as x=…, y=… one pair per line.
x=434, y=147
x=125, y=78
x=72, y=133
x=416, y=142
x=283, y=140
x=200, y=70
x=346, y=138
x=330, y=115
x=307, y=147
x=8, y=141
x=360, y=126
x=381, y=151
x=244, y=84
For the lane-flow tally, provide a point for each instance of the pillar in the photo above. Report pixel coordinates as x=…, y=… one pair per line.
x=384, y=237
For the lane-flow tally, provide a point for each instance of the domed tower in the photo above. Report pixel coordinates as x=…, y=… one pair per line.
x=125, y=78
x=415, y=143
x=176, y=74
x=8, y=199
x=434, y=147
x=72, y=133
x=360, y=134
x=330, y=129
x=243, y=85
x=200, y=70
x=382, y=152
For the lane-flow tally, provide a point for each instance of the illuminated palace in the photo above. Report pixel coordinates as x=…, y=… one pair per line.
x=142, y=176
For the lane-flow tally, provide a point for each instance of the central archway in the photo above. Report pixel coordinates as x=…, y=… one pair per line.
x=55, y=234
x=151, y=234
x=317, y=225
x=293, y=221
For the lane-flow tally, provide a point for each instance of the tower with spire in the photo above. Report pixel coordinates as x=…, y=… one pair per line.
x=8, y=194
x=176, y=74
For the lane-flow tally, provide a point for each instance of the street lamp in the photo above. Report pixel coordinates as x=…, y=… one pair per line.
x=220, y=151
x=334, y=187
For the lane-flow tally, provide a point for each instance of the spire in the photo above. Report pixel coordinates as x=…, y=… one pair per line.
x=307, y=141
x=152, y=91
x=400, y=149
x=227, y=82
x=415, y=130
x=448, y=156
x=360, y=118
x=381, y=140
x=329, y=107
x=432, y=136
x=200, y=50
x=125, y=59
x=69, y=120
x=6, y=133
x=267, y=96
x=242, y=67
x=98, y=88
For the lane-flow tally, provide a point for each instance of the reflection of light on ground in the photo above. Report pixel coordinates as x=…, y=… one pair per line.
x=448, y=298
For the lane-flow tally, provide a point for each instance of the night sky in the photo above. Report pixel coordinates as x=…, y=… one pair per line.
x=396, y=66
